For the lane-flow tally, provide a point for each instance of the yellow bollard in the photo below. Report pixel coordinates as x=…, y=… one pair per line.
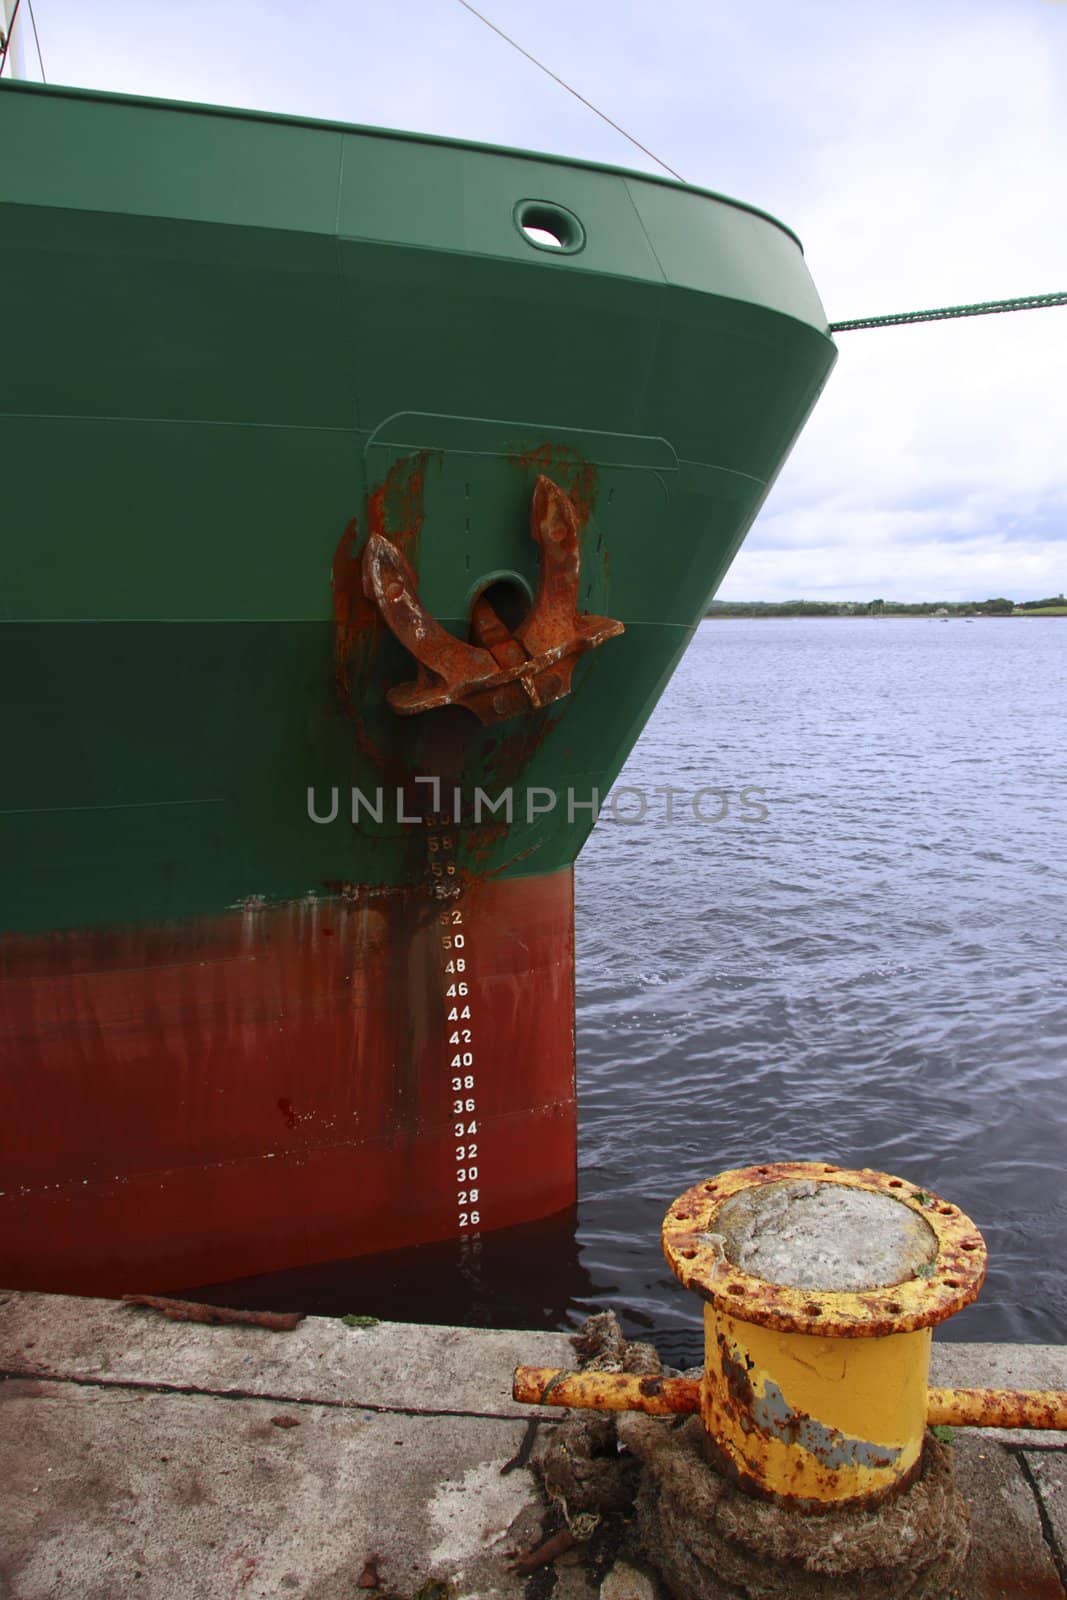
x=801, y=1417
x=812, y=1395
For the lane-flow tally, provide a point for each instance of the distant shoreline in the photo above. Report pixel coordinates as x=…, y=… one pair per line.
x=878, y=616
x=882, y=610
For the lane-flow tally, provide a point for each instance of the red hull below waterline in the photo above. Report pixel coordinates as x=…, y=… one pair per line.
x=272, y=1088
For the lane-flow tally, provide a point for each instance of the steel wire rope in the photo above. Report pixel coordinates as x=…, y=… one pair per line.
x=564, y=85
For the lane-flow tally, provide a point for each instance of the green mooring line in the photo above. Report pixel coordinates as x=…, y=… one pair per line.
x=984, y=308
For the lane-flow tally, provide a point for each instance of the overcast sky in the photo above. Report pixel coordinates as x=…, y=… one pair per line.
x=918, y=147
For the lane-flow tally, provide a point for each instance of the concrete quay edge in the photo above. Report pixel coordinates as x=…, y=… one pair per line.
x=147, y=1457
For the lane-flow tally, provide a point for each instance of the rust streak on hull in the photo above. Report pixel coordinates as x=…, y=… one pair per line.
x=270, y=1089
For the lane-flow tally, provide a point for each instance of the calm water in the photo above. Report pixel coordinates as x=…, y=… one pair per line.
x=871, y=975
x=874, y=975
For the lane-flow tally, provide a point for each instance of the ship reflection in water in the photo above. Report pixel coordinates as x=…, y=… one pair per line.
x=525, y=1277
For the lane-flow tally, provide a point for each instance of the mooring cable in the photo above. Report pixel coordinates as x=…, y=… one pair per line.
x=564, y=85
x=981, y=308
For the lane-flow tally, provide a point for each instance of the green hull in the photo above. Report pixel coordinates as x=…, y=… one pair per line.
x=229, y=328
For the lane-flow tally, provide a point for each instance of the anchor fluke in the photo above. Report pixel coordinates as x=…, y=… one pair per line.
x=508, y=670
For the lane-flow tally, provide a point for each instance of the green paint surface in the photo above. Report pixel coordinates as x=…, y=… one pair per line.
x=228, y=329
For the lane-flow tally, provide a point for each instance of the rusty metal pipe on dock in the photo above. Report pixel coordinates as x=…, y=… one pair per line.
x=606, y=1391
x=821, y=1287
x=665, y=1397
x=997, y=1408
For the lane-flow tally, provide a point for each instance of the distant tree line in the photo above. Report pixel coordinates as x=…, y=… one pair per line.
x=1053, y=603
x=998, y=607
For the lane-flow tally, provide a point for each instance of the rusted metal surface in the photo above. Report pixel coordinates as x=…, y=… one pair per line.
x=767, y=1411
x=814, y=1396
x=394, y=511
x=811, y=1398
x=227, y=1316
x=998, y=1408
x=623, y=1391
x=811, y=1422
x=267, y=1089
x=695, y=1254
x=505, y=672
x=549, y=1550
x=827, y=1492
x=606, y=1391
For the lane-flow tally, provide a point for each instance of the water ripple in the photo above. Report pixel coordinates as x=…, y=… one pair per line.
x=873, y=975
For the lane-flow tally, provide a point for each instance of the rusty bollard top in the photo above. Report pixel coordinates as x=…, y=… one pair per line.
x=915, y=1267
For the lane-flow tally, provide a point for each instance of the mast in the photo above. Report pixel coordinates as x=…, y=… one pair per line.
x=13, y=60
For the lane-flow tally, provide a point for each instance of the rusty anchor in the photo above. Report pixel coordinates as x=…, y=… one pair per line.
x=505, y=672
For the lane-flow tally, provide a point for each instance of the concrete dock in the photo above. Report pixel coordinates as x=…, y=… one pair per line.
x=174, y=1461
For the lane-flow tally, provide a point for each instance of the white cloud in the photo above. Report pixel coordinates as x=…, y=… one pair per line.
x=936, y=569
x=944, y=433
x=919, y=151
x=936, y=178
